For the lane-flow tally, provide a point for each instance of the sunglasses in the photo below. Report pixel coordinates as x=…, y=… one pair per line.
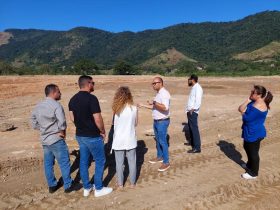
x=91, y=83
x=154, y=83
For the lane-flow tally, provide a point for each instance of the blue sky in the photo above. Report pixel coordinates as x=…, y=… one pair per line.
x=123, y=15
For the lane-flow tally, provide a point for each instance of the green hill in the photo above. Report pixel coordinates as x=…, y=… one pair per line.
x=206, y=43
x=266, y=53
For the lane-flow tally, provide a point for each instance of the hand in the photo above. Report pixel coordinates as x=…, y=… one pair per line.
x=62, y=134
x=150, y=103
x=249, y=99
x=139, y=105
x=103, y=135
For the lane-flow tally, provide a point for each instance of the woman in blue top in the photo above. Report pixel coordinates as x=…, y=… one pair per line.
x=254, y=111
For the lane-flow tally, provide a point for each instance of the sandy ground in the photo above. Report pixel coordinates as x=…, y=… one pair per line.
x=209, y=180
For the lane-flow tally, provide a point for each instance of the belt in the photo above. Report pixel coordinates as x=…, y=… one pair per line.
x=162, y=119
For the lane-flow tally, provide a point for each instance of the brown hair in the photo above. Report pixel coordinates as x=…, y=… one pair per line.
x=122, y=97
x=267, y=95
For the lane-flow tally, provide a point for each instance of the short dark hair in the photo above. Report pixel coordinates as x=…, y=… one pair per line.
x=83, y=80
x=50, y=88
x=160, y=79
x=193, y=77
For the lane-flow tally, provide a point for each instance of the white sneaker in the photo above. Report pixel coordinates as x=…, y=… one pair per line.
x=244, y=165
x=248, y=176
x=103, y=191
x=87, y=191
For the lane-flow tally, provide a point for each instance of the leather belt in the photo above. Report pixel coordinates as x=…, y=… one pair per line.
x=162, y=119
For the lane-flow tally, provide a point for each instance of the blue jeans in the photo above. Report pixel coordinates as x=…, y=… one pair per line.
x=95, y=147
x=58, y=150
x=160, y=130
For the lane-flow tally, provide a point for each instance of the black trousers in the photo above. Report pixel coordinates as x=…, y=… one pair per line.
x=194, y=132
x=252, y=151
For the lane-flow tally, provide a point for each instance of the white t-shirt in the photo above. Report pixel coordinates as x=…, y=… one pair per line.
x=162, y=97
x=124, y=129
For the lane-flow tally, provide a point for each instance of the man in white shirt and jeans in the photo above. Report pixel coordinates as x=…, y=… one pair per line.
x=161, y=115
x=192, y=110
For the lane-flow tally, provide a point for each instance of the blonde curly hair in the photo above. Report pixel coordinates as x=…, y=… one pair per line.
x=122, y=97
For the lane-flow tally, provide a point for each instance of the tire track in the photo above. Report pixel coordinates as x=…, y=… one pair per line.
x=241, y=191
x=38, y=198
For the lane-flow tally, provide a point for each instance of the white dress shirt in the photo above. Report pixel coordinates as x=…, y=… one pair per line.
x=162, y=97
x=124, y=129
x=195, y=99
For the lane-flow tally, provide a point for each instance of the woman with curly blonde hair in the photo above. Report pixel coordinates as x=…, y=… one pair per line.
x=124, y=139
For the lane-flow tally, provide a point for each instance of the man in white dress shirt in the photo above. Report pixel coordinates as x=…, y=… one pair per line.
x=192, y=110
x=161, y=115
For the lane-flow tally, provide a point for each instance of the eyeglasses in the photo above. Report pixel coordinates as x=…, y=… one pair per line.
x=91, y=83
x=154, y=83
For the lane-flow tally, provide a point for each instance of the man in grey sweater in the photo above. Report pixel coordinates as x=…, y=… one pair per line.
x=48, y=117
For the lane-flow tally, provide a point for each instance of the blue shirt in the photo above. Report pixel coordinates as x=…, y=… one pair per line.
x=253, y=124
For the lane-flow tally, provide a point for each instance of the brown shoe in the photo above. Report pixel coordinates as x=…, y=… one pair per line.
x=164, y=167
x=155, y=160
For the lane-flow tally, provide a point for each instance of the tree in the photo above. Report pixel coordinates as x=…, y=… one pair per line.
x=86, y=66
x=45, y=69
x=5, y=68
x=123, y=68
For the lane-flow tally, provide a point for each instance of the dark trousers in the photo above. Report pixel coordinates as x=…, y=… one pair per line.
x=252, y=151
x=194, y=132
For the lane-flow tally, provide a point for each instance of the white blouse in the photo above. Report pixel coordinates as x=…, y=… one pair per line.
x=124, y=129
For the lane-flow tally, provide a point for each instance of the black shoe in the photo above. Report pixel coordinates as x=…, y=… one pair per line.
x=53, y=189
x=187, y=144
x=74, y=187
x=194, y=151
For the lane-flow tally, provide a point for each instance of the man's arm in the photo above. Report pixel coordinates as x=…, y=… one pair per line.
x=34, y=122
x=148, y=106
x=99, y=123
x=61, y=121
x=136, y=120
x=197, y=101
x=159, y=106
x=71, y=116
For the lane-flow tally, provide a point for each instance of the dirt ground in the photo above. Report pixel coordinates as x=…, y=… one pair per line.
x=209, y=180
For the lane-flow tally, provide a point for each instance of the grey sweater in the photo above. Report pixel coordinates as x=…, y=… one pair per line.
x=48, y=116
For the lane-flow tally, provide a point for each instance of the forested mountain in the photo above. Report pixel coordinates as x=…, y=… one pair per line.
x=205, y=43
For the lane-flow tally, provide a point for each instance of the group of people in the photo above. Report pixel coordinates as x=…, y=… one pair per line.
x=48, y=116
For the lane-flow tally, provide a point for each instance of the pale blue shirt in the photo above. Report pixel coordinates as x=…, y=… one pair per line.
x=48, y=117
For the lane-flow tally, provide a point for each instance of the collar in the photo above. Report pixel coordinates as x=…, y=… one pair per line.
x=161, y=89
x=196, y=84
